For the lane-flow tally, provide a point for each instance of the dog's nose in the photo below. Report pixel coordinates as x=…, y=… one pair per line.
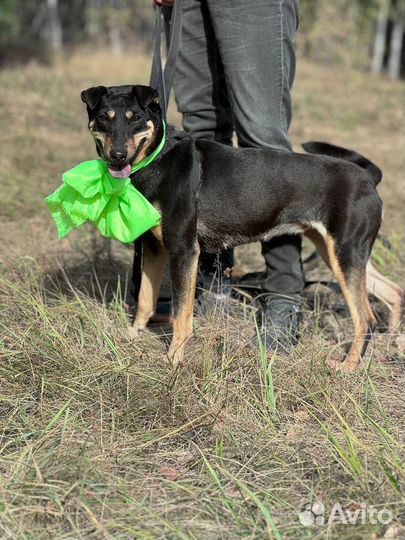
x=118, y=155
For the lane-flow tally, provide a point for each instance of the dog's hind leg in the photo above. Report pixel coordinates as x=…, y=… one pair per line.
x=352, y=282
x=388, y=292
x=183, y=271
x=154, y=259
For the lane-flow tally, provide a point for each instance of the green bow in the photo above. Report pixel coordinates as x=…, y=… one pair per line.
x=116, y=207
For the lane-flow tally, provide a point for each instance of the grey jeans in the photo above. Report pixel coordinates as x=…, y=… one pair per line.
x=235, y=69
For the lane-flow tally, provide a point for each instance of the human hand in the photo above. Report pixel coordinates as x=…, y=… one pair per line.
x=166, y=3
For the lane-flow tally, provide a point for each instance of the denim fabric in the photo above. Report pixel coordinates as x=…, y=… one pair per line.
x=235, y=69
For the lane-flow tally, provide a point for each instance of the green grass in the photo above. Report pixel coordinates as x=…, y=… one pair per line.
x=99, y=437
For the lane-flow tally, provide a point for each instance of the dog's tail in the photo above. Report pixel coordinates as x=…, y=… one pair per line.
x=349, y=155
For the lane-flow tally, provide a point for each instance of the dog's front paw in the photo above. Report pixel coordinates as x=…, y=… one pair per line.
x=345, y=366
x=176, y=354
x=134, y=331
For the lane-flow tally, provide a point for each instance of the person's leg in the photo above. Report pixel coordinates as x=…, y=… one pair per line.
x=199, y=83
x=202, y=97
x=256, y=43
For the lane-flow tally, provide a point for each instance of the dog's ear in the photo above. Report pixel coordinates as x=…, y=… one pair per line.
x=92, y=96
x=145, y=95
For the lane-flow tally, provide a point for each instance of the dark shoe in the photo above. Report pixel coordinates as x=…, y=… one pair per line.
x=213, y=295
x=281, y=320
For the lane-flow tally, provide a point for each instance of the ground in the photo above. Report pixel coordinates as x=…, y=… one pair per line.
x=99, y=437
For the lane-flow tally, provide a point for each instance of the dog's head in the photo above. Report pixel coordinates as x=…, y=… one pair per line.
x=124, y=121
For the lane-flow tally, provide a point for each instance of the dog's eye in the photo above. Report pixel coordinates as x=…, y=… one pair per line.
x=103, y=117
x=136, y=117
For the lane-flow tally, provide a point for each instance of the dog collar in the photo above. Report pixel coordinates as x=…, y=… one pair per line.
x=115, y=206
x=148, y=160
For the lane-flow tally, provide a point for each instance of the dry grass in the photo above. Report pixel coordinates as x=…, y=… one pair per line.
x=99, y=438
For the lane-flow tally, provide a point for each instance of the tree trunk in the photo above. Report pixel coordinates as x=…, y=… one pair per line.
x=116, y=41
x=115, y=27
x=379, y=40
x=55, y=27
x=93, y=21
x=394, y=63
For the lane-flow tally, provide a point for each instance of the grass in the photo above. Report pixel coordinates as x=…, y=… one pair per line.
x=99, y=437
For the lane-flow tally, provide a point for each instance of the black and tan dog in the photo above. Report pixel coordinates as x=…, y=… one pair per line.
x=213, y=196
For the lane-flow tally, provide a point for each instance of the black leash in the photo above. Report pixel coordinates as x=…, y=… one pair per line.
x=162, y=80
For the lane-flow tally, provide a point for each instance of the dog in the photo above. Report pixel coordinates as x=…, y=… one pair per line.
x=212, y=196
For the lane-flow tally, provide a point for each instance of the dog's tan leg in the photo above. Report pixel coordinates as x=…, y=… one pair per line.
x=183, y=282
x=391, y=294
x=388, y=292
x=353, y=286
x=320, y=244
x=153, y=265
x=318, y=240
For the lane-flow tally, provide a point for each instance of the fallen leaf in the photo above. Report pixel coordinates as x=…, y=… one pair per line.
x=294, y=433
x=301, y=415
x=170, y=473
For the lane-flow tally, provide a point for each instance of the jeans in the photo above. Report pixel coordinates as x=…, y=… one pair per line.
x=235, y=69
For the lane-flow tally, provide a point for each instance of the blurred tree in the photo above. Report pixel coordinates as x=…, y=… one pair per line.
x=123, y=22
x=358, y=33
x=93, y=25
x=353, y=33
x=389, y=42
x=380, y=38
x=397, y=39
x=9, y=20
x=22, y=26
x=54, y=26
x=339, y=32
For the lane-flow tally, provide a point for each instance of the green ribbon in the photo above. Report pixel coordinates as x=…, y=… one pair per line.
x=115, y=206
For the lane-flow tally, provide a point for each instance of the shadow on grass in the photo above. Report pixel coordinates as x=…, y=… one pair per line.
x=99, y=272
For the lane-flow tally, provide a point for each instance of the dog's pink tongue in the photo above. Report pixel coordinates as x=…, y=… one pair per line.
x=120, y=173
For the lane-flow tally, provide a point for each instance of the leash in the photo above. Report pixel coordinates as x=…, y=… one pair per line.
x=161, y=79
